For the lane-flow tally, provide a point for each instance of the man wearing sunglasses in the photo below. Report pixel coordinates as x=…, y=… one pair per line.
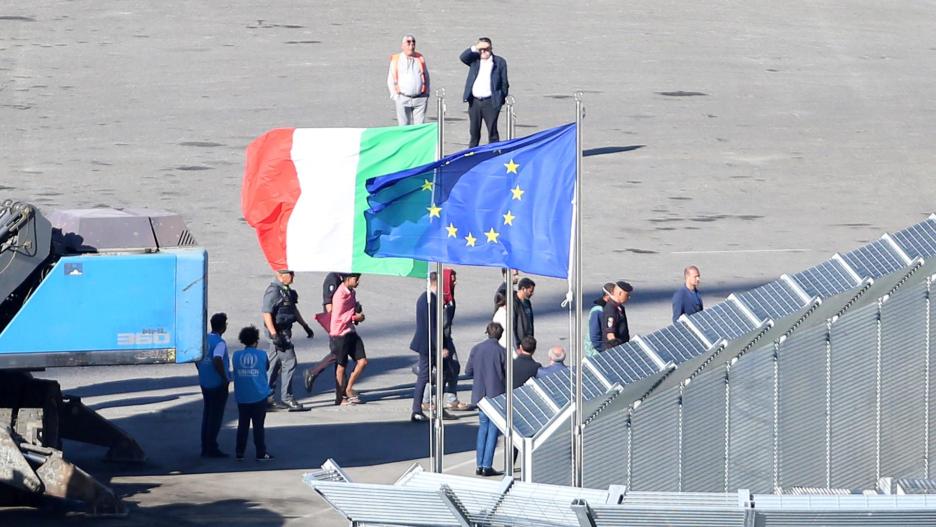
x=408, y=82
x=485, y=89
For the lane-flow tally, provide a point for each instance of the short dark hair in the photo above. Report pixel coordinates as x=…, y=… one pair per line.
x=350, y=275
x=433, y=276
x=485, y=39
x=528, y=344
x=525, y=283
x=249, y=336
x=218, y=321
x=494, y=330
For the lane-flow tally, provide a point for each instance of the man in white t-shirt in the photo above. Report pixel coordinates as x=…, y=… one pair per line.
x=485, y=89
x=408, y=83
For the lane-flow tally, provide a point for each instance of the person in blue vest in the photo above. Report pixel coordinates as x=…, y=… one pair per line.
x=687, y=299
x=251, y=390
x=593, y=340
x=214, y=380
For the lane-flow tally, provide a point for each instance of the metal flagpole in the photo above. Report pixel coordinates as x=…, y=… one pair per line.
x=437, y=431
x=577, y=413
x=508, y=306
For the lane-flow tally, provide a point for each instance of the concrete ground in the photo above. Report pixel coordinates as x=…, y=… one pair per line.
x=749, y=138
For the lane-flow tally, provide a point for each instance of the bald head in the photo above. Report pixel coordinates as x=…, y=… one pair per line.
x=557, y=354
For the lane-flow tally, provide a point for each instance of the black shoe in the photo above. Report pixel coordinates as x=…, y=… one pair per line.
x=419, y=417
x=488, y=472
x=293, y=406
x=239, y=457
x=308, y=379
x=265, y=457
x=214, y=454
x=479, y=471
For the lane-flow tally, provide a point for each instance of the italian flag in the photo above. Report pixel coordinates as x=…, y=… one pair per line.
x=303, y=192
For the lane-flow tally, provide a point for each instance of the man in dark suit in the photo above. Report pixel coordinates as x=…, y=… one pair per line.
x=486, y=365
x=524, y=367
x=485, y=89
x=424, y=343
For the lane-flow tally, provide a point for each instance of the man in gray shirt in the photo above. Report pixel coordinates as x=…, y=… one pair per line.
x=408, y=83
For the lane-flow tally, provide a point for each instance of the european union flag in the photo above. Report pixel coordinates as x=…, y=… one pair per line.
x=506, y=204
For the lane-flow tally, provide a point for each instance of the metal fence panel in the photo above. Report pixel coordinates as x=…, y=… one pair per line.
x=607, y=450
x=931, y=400
x=552, y=460
x=802, y=404
x=703, y=433
x=853, y=396
x=655, y=442
x=903, y=384
x=751, y=421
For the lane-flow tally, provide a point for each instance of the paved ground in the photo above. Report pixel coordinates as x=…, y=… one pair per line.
x=749, y=138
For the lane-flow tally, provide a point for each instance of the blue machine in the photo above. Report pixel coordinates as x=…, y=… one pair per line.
x=87, y=287
x=94, y=309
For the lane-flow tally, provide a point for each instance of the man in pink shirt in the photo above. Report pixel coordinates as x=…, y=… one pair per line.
x=344, y=340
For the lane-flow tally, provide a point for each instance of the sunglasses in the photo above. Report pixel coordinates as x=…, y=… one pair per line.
x=410, y=41
x=482, y=50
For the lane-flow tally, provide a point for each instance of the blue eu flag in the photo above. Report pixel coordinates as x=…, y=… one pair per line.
x=506, y=204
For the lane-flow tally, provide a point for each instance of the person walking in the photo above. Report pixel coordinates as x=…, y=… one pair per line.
x=214, y=381
x=523, y=310
x=344, y=340
x=486, y=363
x=408, y=83
x=687, y=300
x=486, y=89
x=614, y=318
x=329, y=286
x=593, y=340
x=424, y=343
x=280, y=311
x=251, y=390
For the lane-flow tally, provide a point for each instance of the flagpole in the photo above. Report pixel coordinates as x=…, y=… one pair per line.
x=508, y=330
x=438, y=441
x=578, y=449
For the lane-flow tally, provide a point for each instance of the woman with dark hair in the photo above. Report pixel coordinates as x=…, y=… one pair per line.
x=251, y=390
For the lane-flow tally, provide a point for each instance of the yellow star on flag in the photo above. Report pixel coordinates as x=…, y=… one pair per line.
x=512, y=167
x=452, y=231
x=471, y=240
x=427, y=185
x=492, y=235
x=517, y=192
x=508, y=218
x=434, y=211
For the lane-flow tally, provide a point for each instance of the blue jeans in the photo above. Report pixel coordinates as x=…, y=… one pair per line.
x=487, y=441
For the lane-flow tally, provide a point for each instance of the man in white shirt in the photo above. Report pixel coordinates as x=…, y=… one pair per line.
x=408, y=83
x=485, y=89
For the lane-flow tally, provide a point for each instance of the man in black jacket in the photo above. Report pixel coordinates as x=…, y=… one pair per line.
x=485, y=89
x=523, y=310
x=426, y=348
x=524, y=367
x=486, y=365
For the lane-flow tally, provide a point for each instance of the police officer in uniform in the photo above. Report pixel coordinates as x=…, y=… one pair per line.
x=614, y=329
x=280, y=312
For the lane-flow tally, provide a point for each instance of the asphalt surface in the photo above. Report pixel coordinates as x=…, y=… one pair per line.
x=748, y=138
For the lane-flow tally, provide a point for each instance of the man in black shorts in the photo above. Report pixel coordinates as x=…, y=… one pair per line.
x=344, y=341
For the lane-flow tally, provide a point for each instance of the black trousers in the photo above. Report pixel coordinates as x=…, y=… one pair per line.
x=246, y=414
x=212, y=415
x=422, y=378
x=479, y=110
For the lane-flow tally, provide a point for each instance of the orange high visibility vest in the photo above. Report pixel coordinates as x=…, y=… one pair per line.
x=395, y=58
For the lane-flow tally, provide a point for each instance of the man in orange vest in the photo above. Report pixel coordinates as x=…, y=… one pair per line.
x=408, y=82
